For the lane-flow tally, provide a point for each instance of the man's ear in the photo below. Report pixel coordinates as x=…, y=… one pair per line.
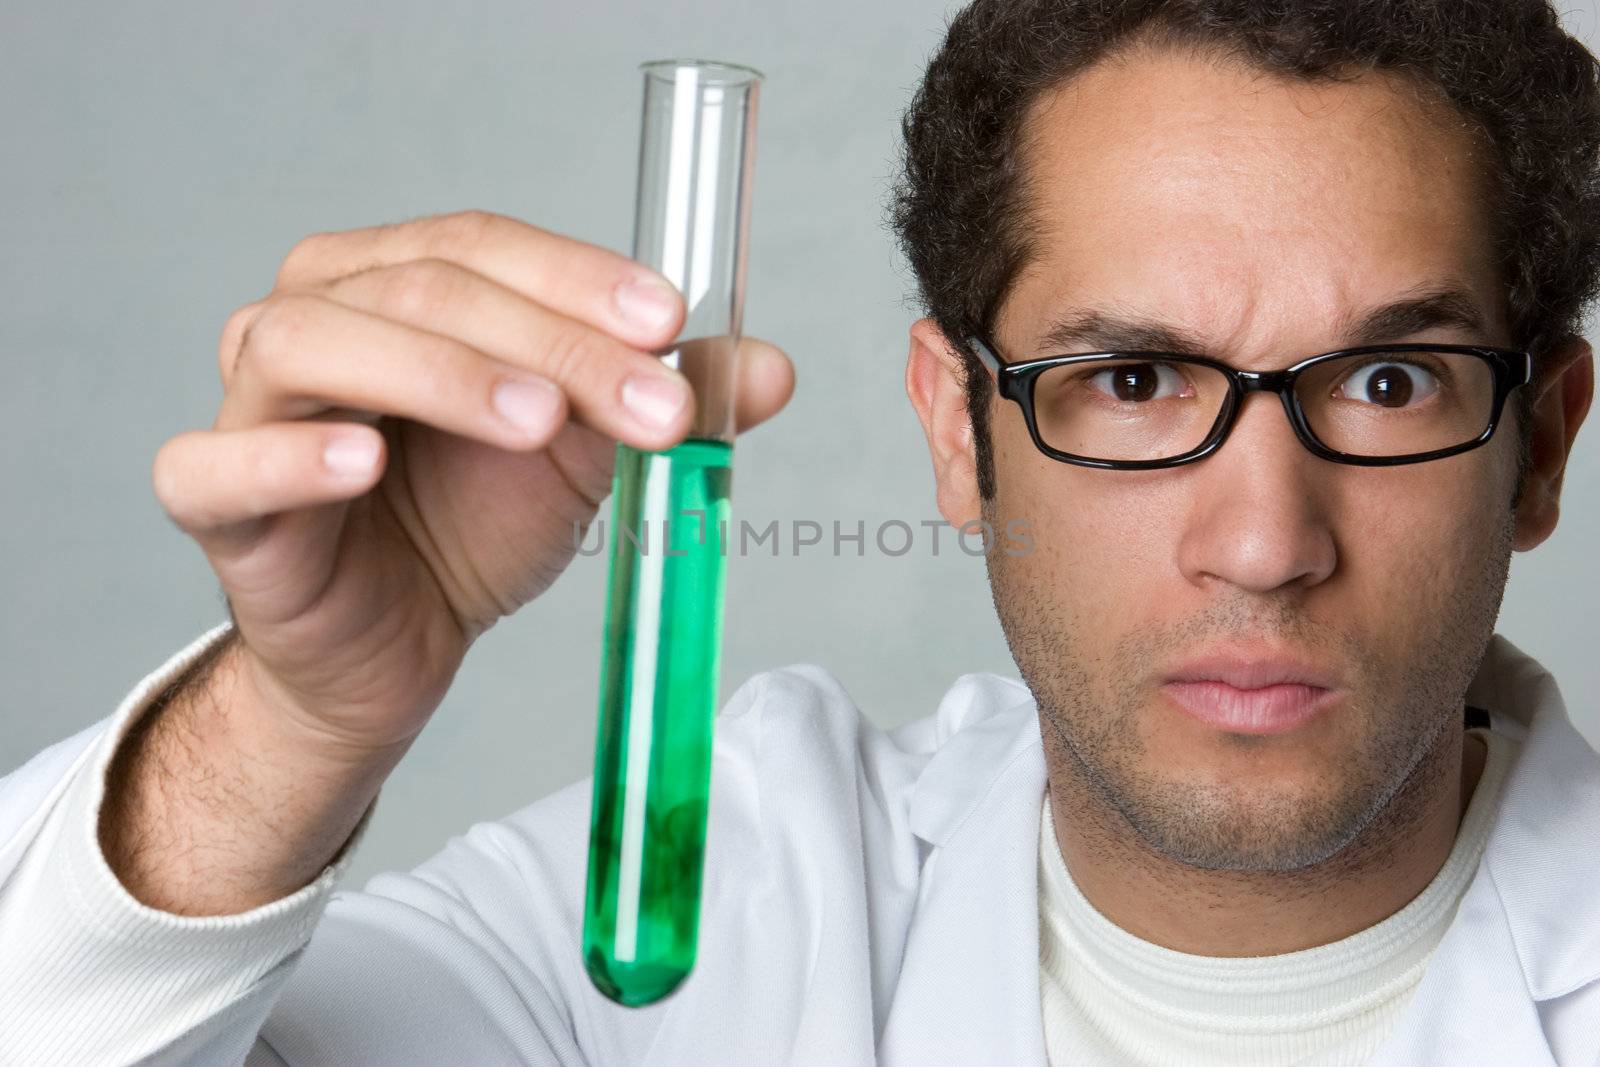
x=935, y=384
x=1567, y=387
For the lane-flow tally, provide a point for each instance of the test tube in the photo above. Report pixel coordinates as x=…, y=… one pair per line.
x=663, y=624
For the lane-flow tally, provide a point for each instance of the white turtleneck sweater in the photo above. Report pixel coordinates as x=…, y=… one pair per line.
x=1112, y=998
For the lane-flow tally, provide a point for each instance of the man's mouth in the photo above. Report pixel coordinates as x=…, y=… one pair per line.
x=1270, y=709
x=1251, y=689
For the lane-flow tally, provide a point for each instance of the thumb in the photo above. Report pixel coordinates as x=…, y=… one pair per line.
x=766, y=381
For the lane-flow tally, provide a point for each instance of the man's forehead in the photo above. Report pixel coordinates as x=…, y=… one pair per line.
x=1137, y=89
x=1183, y=186
x=1212, y=137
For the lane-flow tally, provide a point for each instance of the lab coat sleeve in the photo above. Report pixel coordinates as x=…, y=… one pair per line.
x=88, y=974
x=470, y=958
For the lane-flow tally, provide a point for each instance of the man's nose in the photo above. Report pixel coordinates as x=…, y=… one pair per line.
x=1259, y=518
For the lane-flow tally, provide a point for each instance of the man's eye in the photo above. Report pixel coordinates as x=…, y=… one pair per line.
x=1389, y=384
x=1134, y=383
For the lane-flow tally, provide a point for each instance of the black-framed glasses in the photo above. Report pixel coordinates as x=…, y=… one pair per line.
x=1373, y=406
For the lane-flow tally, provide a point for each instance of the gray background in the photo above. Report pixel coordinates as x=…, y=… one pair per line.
x=161, y=160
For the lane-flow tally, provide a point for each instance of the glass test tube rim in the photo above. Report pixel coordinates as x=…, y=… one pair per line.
x=726, y=75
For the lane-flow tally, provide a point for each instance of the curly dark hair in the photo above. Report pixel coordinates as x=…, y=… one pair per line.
x=1523, y=83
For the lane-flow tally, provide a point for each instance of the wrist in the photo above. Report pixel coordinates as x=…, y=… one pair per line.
x=216, y=802
x=279, y=721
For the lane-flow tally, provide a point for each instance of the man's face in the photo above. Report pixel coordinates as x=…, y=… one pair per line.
x=1260, y=215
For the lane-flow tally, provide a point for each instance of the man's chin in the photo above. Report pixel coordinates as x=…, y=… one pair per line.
x=1269, y=824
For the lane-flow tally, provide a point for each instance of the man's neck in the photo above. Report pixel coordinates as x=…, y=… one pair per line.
x=1247, y=913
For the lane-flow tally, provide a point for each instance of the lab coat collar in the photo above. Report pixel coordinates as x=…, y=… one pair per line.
x=1544, y=850
x=969, y=977
x=1528, y=928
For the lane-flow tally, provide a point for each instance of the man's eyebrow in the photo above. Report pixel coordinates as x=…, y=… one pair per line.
x=1098, y=329
x=1445, y=308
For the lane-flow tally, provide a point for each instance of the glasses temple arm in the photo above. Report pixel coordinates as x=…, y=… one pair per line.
x=985, y=355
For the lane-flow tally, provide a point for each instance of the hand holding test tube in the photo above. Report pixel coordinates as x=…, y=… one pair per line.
x=663, y=628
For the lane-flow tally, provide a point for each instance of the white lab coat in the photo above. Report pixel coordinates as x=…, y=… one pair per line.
x=869, y=897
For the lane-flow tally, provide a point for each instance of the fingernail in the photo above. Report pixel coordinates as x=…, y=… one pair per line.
x=647, y=302
x=350, y=455
x=654, y=400
x=529, y=405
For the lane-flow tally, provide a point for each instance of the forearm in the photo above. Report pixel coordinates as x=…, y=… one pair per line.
x=91, y=975
x=215, y=805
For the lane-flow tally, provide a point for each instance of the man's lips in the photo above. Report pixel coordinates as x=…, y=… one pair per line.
x=1272, y=709
x=1251, y=690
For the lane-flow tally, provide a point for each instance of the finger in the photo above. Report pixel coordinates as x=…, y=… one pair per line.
x=220, y=486
x=304, y=355
x=766, y=382
x=306, y=352
x=231, y=343
x=594, y=285
x=627, y=394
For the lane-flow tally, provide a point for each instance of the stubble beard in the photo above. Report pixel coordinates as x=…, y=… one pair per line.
x=1368, y=804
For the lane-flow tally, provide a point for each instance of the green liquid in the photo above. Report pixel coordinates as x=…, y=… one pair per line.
x=658, y=691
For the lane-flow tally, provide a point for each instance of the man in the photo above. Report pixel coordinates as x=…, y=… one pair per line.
x=1274, y=792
